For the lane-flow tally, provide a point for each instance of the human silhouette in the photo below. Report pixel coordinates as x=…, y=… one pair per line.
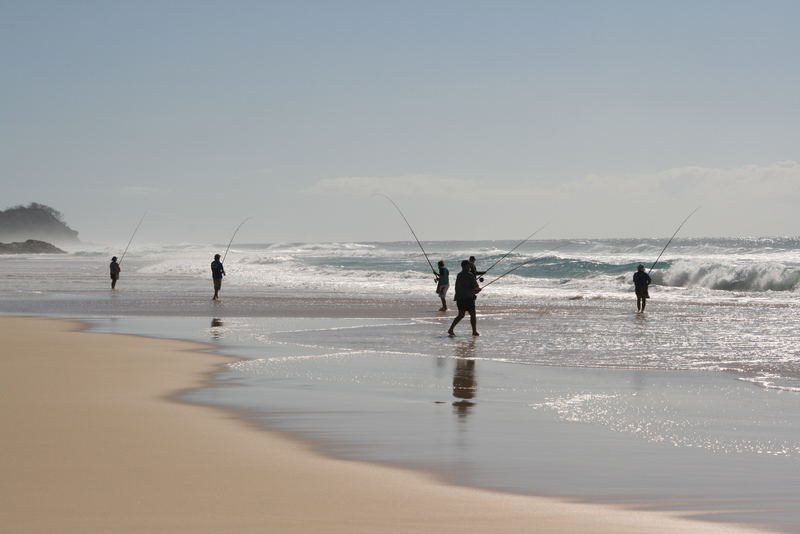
x=115, y=270
x=217, y=272
x=474, y=269
x=442, y=284
x=466, y=290
x=641, y=280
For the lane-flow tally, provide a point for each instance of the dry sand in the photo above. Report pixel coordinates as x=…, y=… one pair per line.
x=92, y=443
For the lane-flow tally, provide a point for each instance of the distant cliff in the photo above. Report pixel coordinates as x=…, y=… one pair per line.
x=31, y=246
x=35, y=221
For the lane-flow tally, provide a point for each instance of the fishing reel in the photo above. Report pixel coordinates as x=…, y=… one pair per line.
x=480, y=279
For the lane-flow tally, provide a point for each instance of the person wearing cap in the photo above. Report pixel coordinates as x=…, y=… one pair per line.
x=217, y=272
x=466, y=290
x=442, y=284
x=640, y=281
x=115, y=269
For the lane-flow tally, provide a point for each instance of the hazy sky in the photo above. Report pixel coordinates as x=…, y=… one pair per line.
x=483, y=120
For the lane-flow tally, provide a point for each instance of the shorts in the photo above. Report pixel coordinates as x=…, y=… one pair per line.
x=641, y=292
x=466, y=305
x=115, y=276
x=217, y=283
x=442, y=290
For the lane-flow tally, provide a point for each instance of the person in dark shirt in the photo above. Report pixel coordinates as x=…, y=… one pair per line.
x=442, y=284
x=466, y=290
x=640, y=281
x=474, y=270
x=115, y=269
x=217, y=272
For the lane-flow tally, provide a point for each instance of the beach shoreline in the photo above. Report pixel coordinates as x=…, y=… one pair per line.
x=98, y=442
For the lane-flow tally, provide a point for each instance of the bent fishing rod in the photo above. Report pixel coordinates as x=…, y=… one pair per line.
x=671, y=238
x=131, y=239
x=232, y=237
x=516, y=247
x=387, y=197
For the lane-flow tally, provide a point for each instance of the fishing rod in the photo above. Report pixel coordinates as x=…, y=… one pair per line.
x=671, y=238
x=131, y=239
x=233, y=236
x=523, y=264
x=516, y=247
x=412, y=230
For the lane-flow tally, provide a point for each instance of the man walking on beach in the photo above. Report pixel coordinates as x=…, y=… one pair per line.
x=466, y=290
x=217, y=272
x=442, y=284
x=640, y=281
x=474, y=270
x=114, y=268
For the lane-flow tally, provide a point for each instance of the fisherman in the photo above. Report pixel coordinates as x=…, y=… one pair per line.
x=217, y=272
x=466, y=290
x=640, y=281
x=474, y=270
x=115, y=269
x=442, y=284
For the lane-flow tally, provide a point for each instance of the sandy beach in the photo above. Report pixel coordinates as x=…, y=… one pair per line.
x=94, y=443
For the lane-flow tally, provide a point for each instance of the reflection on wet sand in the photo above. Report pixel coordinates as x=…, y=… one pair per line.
x=465, y=385
x=216, y=328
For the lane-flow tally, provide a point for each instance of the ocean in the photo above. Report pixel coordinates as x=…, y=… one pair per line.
x=567, y=392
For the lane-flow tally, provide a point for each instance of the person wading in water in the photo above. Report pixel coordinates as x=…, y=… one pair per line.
x=640, y=281
x=442, y=284
x=466, y=290
x=217, y=272
x=115, y=269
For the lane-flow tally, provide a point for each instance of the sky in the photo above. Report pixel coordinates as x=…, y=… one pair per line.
x=481, y=119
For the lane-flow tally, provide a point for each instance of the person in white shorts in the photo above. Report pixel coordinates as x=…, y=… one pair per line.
x=442, y=284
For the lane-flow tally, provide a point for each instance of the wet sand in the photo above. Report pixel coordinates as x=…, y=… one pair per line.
x=94, y=442
x=232, y=303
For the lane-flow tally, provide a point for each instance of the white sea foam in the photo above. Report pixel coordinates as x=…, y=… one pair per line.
x=754, y=283
x=740, y=276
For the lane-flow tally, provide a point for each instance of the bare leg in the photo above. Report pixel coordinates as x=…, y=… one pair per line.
x=473, y=320
x=638, y=304
x=644, y=303
x=444, y=304
x=455, y=322
x=113, y=283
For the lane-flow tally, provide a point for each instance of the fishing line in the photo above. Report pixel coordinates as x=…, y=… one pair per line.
x=523, y=264
x=673, y=237
x=131, y=239
x=516, y=247
x=234, y=235
x=410, y=228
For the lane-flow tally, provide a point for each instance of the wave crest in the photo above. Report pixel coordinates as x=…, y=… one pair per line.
x=740, y=277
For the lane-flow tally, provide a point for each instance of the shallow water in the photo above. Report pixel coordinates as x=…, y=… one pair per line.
x=686, y=440
x=567, y=392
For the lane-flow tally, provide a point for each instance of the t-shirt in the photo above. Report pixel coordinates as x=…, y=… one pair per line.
x=641, y=278
x=465, y=286
x=216, y=269
x=444, y=276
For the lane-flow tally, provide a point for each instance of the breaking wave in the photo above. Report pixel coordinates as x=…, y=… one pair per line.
x=597, y=268
x=738, y=277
